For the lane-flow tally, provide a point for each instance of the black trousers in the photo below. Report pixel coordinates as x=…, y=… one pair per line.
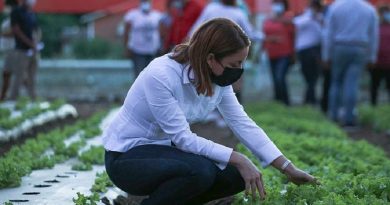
x=170, y=176
x=379, y=74
x=310, y=59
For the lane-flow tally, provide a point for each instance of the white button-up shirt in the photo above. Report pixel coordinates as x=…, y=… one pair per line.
x=308, y=30
x=161, y=104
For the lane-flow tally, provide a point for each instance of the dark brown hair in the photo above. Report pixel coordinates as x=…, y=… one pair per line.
x=220, y=37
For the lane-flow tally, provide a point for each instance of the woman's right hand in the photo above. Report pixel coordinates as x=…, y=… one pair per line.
x=249, y=172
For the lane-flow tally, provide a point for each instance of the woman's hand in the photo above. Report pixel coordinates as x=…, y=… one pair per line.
x=251, y=175
x=293, y=174
x=298, y=176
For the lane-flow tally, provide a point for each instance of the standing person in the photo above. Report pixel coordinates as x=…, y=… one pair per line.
x=7, y=45
x=27, y=35
x=308, y=46
x=350, y=43
x=279, y=44
x=150, y=149
x=185, y=15
x=326, y=78
x=142, y=36
x=381, y=70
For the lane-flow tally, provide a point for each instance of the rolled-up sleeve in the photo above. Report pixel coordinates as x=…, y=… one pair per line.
x=246, y=130
x=171, y=119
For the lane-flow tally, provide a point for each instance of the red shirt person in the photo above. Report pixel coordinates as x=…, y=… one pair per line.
x=185, y=15
x=279, y=44
x=381, y=71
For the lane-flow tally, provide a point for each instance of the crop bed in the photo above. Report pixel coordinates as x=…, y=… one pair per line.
x=21, y=116
x=350, y=172
x=65, y=165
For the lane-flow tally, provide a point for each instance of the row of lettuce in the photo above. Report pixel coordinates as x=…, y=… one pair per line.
x=22, y=116
x=27, y=109
x=350, y=172
x=47, y=149
x=57, y=146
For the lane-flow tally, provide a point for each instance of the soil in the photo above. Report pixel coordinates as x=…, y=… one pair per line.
x=381, y=140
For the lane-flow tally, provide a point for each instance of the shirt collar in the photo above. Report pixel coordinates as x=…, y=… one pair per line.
x=185, y=77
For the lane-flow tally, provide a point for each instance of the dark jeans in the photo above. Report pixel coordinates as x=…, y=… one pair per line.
x=140, y=61
x=310, y=64
x=279, y=68
x=377, y=75
x=170, y=176
x=325, y=90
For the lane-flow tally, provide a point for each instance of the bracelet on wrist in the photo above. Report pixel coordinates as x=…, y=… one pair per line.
x=284, y=165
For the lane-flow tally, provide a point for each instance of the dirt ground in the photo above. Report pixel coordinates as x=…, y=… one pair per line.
x=381, y=140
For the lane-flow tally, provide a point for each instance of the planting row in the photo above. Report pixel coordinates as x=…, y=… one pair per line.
x=45, y=150
x=350, y=172
x=17, y=118
x=56, y=154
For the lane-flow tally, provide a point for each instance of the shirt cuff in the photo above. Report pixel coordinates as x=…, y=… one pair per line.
x=221, y=154
x=268, y=153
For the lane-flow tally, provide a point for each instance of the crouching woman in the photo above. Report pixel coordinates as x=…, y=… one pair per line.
x=150, y=149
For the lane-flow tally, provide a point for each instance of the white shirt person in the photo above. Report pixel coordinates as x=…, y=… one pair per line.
x=150, y=149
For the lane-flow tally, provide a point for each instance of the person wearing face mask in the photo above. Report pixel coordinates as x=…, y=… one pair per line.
x=142, y=35
x=381, y=70
x=279, y=44
x=27, y=35
x=227, y=9
x=308, y=46
x=150, y=149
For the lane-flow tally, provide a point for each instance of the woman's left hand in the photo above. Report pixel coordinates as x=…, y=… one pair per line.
x=299, y=177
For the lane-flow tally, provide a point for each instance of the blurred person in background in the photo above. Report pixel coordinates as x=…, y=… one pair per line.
x=150, y=148
x=279, y=44
x=350, y=42
x=229, y=9
x=7, y=45
x=381, y=70
x=185, y=14
x=308, y=28
x=142, y=35
x=27, y=36
x=326, y=75
x=166, y=26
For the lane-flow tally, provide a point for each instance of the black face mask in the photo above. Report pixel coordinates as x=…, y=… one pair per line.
x=228, y=77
